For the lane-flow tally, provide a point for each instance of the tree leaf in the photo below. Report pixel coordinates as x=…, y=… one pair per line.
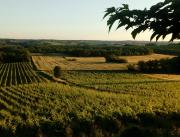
x=109, y=11
x=163, y=18
x=152, y=36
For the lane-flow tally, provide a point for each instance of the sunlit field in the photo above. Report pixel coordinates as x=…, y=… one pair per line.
x=47, y=63
x=60, y=108
x=120, y=82
x=96, y=98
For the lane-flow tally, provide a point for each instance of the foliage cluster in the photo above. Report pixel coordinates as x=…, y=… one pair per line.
x=92, y=51
x=171, y=49
x=162, y=18
x=10, y=54
x=115, y=59
x=57, y=71
x=160, y=66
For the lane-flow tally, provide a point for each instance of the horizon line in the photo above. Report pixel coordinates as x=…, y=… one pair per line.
x=86, y=40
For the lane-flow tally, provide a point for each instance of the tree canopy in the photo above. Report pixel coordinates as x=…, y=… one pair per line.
x=162, y=18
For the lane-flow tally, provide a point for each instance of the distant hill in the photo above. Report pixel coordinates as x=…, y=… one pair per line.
x=27, y=42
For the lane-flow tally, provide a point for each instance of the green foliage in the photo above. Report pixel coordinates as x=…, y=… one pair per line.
x=78, y=48
x=61, y=110
x=11, y=54
x=57, y=71
x=151, y=44
x=160, y=66
x=92, y=51
x=115, y=59
x=171, y=49
x=131, y=67
x=162, y=18
x=119, y=82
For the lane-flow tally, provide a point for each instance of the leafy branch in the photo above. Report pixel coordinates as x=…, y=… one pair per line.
x=163, y=19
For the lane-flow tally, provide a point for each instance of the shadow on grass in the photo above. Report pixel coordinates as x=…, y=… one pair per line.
x=101, y=71
x=45, y=75
x=128, y=83
x=141, y=125
x=122, y=71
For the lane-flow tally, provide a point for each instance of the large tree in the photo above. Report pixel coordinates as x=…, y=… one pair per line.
x=163, y=19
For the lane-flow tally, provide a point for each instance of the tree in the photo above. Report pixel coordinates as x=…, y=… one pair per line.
x=57, y=71
x=162, y=18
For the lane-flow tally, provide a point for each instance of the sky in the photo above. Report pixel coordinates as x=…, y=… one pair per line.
x=63, y=19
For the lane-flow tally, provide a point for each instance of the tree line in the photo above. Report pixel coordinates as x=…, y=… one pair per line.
x=91, y=51
x=9, y=54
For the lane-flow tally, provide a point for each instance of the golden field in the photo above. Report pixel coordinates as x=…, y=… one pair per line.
x=47, y=63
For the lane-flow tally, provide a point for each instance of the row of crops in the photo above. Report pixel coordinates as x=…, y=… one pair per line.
x=61, y=110
x=118, y=82
x=18, y=73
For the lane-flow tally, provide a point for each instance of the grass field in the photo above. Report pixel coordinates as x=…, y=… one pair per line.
x=47, y=63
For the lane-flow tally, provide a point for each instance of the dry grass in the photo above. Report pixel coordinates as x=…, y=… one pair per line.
x=173, y=77
x=135, y=59
x=47, y=63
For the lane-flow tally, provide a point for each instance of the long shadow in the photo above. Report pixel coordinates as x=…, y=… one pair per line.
x=127, y=83
x=45, y=75
x=122, y=71
x=101, y=71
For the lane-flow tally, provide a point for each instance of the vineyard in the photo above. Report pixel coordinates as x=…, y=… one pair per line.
x=59, y=110
x=91, y=103
x=18, y=73
x=119, y=82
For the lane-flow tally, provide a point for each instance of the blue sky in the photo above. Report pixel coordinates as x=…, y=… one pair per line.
x=63, y=19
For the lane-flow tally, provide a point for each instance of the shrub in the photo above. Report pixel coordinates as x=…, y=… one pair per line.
x=163, y=65
x=72, y=59
x=115, y=59
x=57, y=71
x=132, y=67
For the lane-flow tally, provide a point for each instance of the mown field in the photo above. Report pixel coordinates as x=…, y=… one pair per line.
x=47, y=63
